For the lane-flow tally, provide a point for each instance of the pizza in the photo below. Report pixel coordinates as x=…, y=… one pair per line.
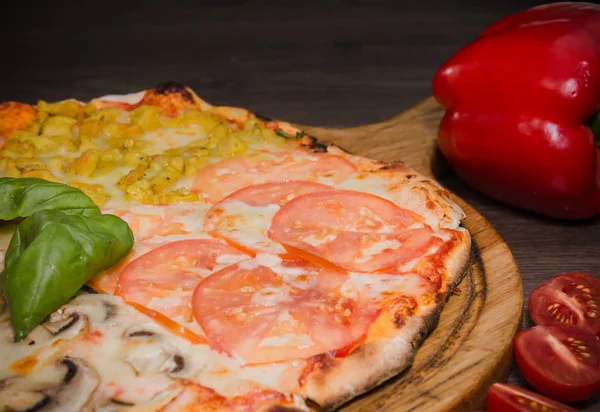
x=269, y=271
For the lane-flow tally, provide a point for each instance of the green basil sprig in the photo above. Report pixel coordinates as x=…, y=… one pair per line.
x=22, y=197
x=53, y=253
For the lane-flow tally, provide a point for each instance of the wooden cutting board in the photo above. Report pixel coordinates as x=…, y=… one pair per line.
x=471, y=347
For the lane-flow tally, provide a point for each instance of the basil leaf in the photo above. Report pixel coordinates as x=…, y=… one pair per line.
x=22, y=197
x=52, y=255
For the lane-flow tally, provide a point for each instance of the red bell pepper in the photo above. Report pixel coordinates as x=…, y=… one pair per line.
x=517, y=99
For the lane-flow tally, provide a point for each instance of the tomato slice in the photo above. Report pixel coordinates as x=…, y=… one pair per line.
x=286, y=310
x=164, y=278
x=507, y=398
x=353, y=230
x=244, y=217
x=571, y=298
x=562, y=361
x=221, y=179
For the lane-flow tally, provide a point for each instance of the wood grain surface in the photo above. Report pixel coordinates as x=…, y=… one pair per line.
x=318, y=62
x=471, y=346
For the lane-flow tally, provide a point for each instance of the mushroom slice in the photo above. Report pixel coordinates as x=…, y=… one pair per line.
x=140, y=331
x=68, y=325
x=72, y=393
x=77, y=387
x=175, y=364
x=148, y=353
x=15, y=396
x=110, y=310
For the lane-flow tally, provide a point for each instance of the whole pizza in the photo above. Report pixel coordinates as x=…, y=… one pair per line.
x=230, y=262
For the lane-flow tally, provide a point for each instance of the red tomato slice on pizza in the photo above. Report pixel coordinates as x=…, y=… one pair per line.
x=164, y=278
x=355, y=231
x=244, y=217
x=221, y=179
x=286, y=310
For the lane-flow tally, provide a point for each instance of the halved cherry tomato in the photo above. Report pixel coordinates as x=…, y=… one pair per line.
x=221, y=179
x=356, y=231
x=244, y=217
x=571, y=298
x=507, y=398
x=164, y=278
x=562, y=361
x=287, y=310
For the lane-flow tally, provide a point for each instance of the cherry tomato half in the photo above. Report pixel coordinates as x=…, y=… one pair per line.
x=561, y=361
x=507, y=398
x=571, y=298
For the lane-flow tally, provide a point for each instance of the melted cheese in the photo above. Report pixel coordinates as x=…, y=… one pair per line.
x=164, y=139
x=301, y=340
x=373, y=286
x=377, y=248
x=247, y=225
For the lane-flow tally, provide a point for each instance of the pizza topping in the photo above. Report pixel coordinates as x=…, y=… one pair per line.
x=244, y=217
x=354, y=231
x=287, y=310
x=150, y=355
x=221, y=179
x=74, y=390
x=67, y=325
x=164, y=278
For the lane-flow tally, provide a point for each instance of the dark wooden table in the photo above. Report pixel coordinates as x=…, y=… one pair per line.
x=314, y=62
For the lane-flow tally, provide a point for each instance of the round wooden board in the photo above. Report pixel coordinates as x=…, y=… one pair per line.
x=471, y=347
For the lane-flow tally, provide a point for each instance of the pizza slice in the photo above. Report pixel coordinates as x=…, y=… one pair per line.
x=268, y=269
